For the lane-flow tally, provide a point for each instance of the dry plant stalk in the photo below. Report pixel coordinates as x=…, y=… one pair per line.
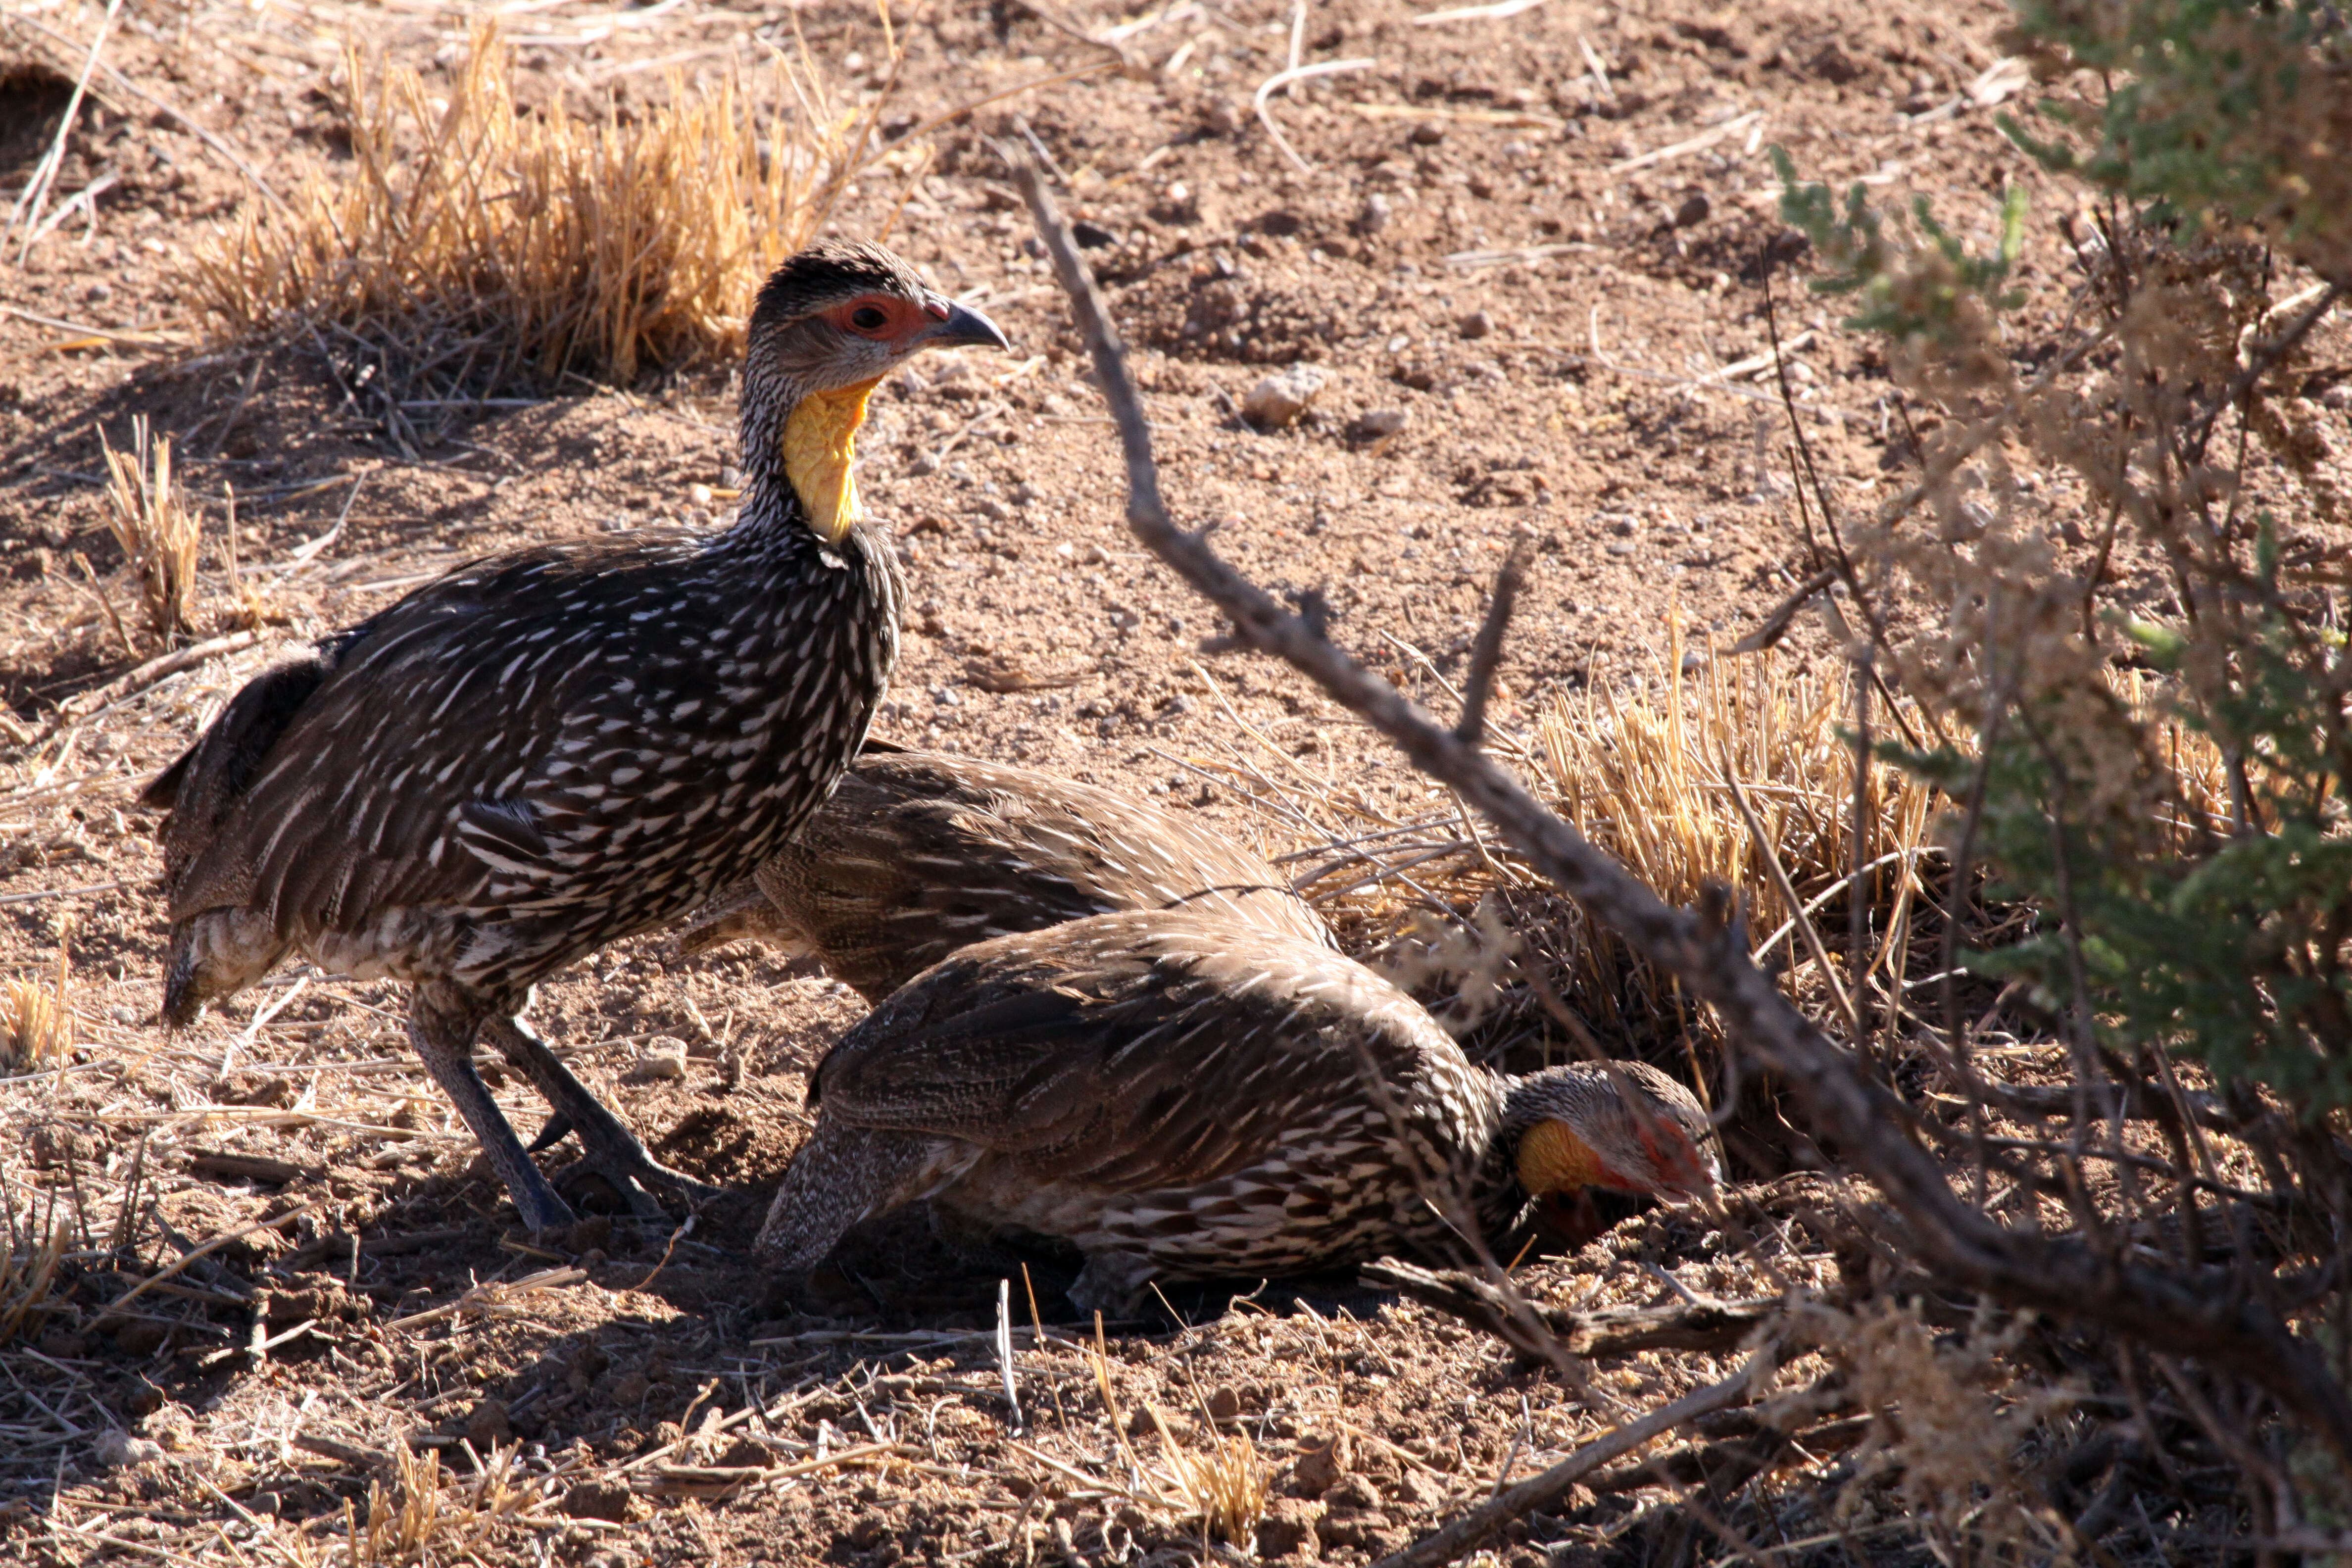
x=495, y=1298
x=27, y=1282
x=37, y=1026
x=427, y=1504
x=1950, y=1415
x=485, y=244
x=159, y=535
x=1641, y=773
x=1643, y=778
x=1224, y=1483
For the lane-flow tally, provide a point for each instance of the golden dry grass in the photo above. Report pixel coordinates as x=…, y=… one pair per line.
x=484, y=243
x=1225, y=1482
x=1648, y=779
x=1646, y=771
x=36, y=1023
x=28, y=1274
x=432, y=1514
x=160, y=533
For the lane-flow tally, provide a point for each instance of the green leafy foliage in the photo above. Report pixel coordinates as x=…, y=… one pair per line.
x=2217, y=112
x=1861, y=258
x=2205, y=911
x=2224, y=940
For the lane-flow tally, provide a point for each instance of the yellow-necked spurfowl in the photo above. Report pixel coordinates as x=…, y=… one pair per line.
x=921, y=853
x=550, y=750
x=1183, y=1097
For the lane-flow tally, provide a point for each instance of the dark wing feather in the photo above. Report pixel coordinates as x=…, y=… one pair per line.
x=919, y=854
x=458, y=754
x=1133, y=1051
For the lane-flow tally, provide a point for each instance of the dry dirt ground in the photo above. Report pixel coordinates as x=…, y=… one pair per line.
x=1528, y=241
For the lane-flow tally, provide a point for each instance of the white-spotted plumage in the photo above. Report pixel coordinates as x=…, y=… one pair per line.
x=916, y=854
x=547, y=750
x=1182, y=1096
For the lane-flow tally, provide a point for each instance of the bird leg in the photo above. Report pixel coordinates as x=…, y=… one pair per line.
x=443, y=1034
x=612, y=1150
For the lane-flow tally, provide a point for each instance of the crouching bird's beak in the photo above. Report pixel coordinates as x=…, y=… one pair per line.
x=963, y=326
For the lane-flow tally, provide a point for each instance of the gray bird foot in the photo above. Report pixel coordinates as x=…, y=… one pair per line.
x=611, y=1152
x=541, y=1209
x=633, y=1174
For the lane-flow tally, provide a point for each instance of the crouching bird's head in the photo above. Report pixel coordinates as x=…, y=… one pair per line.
x=831, y=323
x=1624, y=1126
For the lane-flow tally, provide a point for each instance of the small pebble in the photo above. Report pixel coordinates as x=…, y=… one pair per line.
x=660, y=1060
x=1282, y=397
x=1476, y=324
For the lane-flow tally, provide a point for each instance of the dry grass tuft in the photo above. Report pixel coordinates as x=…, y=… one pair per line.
x=1646, y=771
x=427, y=1506
x=1224, y=1487
x=159, y=535
x=1648, y=779
x=37, y=1024
x=1225, y=1483
x=484, y=244
x=1641, y=772
x=28, y=1275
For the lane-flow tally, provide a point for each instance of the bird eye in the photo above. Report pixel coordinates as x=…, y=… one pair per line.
x=868, y=319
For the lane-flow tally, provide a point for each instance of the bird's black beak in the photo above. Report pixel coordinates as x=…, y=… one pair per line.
x=964, y=326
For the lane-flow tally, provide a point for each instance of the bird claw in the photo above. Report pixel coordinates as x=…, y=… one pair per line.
x=559, y=1127
x=631, y=1175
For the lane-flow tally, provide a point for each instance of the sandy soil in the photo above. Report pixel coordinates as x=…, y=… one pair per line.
x=1532, y=242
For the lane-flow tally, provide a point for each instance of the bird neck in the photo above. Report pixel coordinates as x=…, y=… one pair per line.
x=1551, y=1159
x=818, y=450
x=800, y=468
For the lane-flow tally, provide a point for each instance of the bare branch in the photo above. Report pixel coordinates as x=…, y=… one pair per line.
x=1487, y=652
x=1717, y=1327
x=2190, y=1313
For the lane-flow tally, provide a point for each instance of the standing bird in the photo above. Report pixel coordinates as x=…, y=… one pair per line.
x=550, y=750
x=1182, y=1098
x=920, y=852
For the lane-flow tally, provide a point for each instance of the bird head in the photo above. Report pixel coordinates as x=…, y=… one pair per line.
x=830, y=323
x=1621, y=1125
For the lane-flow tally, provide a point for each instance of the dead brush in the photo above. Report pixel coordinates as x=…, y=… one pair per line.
x=429, y=1512
x=159, y=535
x=1646, y=775
x=483, y=244
x=1224, y=1483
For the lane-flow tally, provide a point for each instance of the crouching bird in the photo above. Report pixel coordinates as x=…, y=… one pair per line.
x=1182, y=1098
x=547, y=750
x=920, y=852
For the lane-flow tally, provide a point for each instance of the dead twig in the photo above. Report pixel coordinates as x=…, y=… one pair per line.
x=1715, y=1327
x=1487, y=652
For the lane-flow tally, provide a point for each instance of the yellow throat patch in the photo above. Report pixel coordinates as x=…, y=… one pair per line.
x=819, y=434
x=1551, y=1159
